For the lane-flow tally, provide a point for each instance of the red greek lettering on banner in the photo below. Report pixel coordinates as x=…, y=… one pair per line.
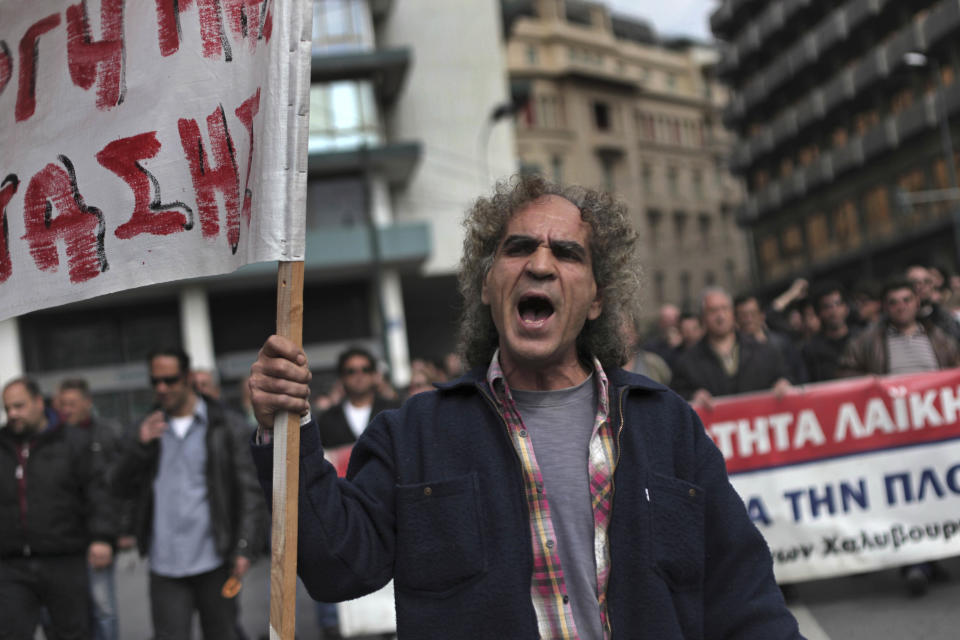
x=79, y=226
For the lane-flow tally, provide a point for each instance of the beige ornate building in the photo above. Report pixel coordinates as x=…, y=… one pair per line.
x=608, y=104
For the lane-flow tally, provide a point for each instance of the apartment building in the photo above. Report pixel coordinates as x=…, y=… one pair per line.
x=609, y=104
x=843, y=114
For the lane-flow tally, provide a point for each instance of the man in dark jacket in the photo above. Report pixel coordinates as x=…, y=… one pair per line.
x=342, y=424
x=188, y=465
x=55, y=518
x=725, y=362
x=75, y=406
x=822, y=352
x=491, y=501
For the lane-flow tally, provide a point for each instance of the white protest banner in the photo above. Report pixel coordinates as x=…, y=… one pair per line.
x=848, y=476
x=144, y=142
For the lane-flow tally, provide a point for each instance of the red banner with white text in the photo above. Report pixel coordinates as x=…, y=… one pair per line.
x=848, y=476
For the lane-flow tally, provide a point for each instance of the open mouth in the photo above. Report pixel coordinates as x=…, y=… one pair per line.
x=534, y=309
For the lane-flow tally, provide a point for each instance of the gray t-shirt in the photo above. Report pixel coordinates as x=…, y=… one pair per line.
x=560, y=424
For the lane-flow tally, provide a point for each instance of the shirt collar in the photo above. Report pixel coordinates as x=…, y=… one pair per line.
x=892, y=330
x=501, y=390
x=199, y=411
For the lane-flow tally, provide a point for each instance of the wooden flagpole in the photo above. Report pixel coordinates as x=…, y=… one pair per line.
x=286, y=469
x=286, y=426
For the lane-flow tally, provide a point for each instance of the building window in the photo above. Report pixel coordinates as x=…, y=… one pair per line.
x=731, y=270
x=532, y=54
x=654, y=219
x=709, y=278
x=342, y=25
x=646, y=174
x=792, y=242
x=608, y=167
x=726, y=221
x=550, y=113
x=530, y=168
x=846, y=229
x=659, y=288
x=673, y=181
x=705, y=223
x=877, y=209
x=601, y=116
x=671, y=81
x=556, y=163
x=685, y=298
x=697, y=178
x=679, y=226
x=343, y=115
x=818, y=236
x=336, y=201
x=769, y=253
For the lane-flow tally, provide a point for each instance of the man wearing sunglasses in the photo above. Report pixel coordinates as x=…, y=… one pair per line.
x=188, y=465
x=342, y=424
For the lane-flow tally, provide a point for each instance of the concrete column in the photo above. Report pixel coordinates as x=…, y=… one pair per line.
x=195, y=329
x=395, y=327
x=11, y=359
x=390, y=292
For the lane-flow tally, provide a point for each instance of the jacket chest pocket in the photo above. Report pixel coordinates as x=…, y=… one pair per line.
x=677, y=530
x=677, y=544
x=439, y=537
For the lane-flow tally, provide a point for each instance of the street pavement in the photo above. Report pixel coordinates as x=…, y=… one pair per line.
x=873, y=606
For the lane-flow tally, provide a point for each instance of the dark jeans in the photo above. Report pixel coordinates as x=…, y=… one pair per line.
x=57, y=583
x=173, y=601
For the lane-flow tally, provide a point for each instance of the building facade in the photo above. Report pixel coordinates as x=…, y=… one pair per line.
x=608, y=104
x=391, y=170
x=842, y=111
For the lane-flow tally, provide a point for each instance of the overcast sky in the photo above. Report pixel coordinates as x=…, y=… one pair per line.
x=671, y=17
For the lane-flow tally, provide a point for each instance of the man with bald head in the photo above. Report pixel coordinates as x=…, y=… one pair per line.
x=725, y=362
x=668, y=343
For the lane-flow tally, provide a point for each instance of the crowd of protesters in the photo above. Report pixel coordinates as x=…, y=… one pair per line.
x=179, y=485
x=808, y=334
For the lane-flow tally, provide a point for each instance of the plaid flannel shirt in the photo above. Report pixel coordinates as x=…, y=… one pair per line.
x=547, y=587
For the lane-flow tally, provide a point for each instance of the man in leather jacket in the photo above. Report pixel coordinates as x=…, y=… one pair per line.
x=188, y=465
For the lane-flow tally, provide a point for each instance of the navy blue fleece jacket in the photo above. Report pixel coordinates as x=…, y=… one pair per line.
x=434, y=499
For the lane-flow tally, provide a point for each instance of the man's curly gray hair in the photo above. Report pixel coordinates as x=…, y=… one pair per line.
x=616, y=267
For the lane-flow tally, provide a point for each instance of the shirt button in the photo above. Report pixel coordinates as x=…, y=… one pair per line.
x=693, y=493
x=539, y=487
x=427, y=491
x=549, y=544
x=566, y=599
x=523, y=433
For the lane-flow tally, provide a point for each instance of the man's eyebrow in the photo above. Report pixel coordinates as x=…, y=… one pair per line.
x=518, y=239
x=569, y=246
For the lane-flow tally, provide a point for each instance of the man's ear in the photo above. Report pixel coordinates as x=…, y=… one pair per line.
x=596, y=308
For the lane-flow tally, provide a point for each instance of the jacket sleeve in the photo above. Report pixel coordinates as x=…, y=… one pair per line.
x=346, y=535
x=852, y=362
x=741, y=598
x=132, y=465
x=100, y=507
x=253, y=519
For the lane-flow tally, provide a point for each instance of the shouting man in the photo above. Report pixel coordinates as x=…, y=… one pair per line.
x=491, y=500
